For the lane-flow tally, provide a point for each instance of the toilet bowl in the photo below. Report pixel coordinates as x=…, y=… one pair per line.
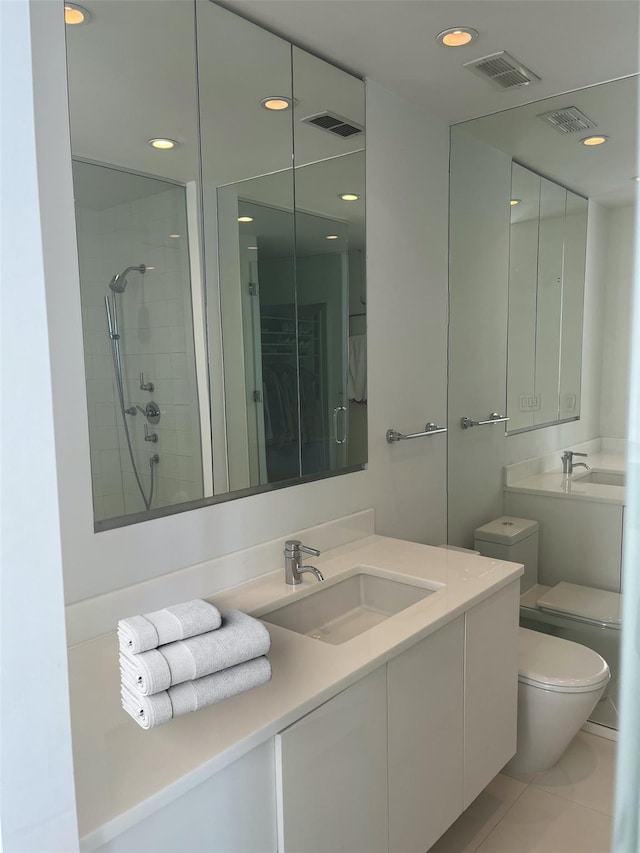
x=559, y=681
x=559, y=684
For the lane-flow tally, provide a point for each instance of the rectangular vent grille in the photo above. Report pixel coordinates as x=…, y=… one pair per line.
x=568, y=120
x=502, y=71
x=333, y=123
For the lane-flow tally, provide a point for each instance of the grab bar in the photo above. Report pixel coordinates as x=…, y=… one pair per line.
x=430, y=429
x=494, y=418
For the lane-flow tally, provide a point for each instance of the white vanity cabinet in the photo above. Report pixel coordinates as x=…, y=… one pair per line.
x=385, y=766
x=428, y=731
x=331, y=770
x=426, y=702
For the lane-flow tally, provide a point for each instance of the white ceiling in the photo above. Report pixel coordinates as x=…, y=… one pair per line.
x=132, y=76
x=604, y=172
x=568, y=43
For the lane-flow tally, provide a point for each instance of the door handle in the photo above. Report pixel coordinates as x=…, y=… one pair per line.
x=344, y=424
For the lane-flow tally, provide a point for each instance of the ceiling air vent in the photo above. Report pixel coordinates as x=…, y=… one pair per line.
x=567, y=120
x=333, y=123
x=502, y=71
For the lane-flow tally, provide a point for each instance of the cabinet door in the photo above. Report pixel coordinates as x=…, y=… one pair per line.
x=232, y=812
x=331, y=771
x=553, y=200
x=425, y=701
x=573, y=274
x=491, y=688
x=523, y=287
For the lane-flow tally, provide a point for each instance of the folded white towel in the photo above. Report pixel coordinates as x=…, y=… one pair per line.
x=146, y=672
x=150, y=711
x=240, y=639
x=147, y=711
x=141, y=633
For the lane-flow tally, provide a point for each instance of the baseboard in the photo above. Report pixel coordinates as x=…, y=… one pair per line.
x=600, y=731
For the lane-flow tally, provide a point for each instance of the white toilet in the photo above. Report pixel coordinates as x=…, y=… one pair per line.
x=559, y=682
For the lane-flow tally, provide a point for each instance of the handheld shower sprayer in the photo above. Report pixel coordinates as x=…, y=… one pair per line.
x=152, y=412
x=119, y=282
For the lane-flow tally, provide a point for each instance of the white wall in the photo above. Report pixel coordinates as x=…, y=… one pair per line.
x=617, y=320
x=37, y=802
x=407, y=203
x=407, y=292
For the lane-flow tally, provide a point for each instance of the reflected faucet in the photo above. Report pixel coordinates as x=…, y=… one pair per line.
x=293, y=550
x=568, y=464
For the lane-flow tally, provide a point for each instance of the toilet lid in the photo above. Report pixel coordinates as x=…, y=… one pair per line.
x=583, y=602
x=559, y=665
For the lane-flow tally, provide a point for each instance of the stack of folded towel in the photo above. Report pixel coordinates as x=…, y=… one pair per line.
x=186, y=657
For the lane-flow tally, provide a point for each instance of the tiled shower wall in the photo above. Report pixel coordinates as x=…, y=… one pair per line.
x=156, y=330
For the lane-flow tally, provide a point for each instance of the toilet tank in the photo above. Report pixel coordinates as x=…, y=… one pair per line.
x=513, y=539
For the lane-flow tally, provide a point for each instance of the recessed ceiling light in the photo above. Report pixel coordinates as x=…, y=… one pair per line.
x=253, y=248
x=74, y=14
x=636, y=178
x=594, y=140
x=277, y=103
x=175, y=236
x=515, y=201
x=457, y=36
x=349, y=196
x=162, y=144
x=245, y=219
x=332, y=237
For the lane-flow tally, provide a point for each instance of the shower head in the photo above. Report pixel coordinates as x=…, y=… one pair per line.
x=119, y=282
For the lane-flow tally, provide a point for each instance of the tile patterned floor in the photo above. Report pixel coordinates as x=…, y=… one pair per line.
x=567, y=809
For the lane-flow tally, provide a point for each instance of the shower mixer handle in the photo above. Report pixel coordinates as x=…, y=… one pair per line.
x=151, y=412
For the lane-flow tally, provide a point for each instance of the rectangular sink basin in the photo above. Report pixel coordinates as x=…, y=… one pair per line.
x=341, y=611
x=603, y=478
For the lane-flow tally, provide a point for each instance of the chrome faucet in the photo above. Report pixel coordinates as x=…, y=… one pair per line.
x=293, y=549
x=568, y=464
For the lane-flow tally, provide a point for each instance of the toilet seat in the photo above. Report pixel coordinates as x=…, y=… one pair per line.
x=584, y=603
x=557, y=665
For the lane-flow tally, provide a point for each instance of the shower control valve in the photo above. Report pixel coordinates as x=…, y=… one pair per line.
x=151, y=412
x=150, y=436
x=145, y=386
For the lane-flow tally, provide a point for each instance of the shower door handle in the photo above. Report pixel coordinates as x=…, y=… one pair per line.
x=338, y=409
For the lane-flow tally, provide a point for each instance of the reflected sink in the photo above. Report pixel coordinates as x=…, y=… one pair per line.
x=603, y=478
x=342, y=610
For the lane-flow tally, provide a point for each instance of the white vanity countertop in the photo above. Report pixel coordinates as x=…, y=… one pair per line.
x=555, y=484
x=124, y=773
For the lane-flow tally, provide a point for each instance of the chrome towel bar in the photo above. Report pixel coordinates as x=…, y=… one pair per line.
x=430, y=429
x=494, y=418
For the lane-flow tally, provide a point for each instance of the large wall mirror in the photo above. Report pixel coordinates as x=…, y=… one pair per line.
x=553, y=178
x=540, y=289
x=222, y=276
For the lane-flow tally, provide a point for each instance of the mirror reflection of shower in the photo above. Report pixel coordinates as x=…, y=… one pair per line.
x=117, y=285
x=124, y=219
x=119, y=282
